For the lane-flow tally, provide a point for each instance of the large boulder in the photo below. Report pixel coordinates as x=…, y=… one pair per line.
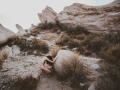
x=65, y=62
x=5, y=34
x=21, y=31
x=48, y=14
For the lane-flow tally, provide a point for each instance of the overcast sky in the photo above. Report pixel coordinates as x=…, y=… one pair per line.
x=24, y=12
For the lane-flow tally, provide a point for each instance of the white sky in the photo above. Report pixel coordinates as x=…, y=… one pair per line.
x=24, y=12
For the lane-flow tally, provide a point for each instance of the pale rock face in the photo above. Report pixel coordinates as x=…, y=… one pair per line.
x=21, y=31
x=92, y=17
x=61, y=56
x=5, y=34
x=48, y=14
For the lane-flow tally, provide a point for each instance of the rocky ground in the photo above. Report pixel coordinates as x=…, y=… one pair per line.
x=20, y=64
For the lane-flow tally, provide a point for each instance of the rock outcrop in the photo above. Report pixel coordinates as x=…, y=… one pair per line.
x=92, y=17
x=48, y=14
x=5, y=34
x=106, y=17
x=21, y=31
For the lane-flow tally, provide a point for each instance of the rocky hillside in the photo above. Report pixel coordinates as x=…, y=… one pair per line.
x=84, y=60
x=94, y=18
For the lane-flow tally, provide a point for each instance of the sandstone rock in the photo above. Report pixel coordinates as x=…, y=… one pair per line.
x=62, y=55
x=21, y=31
x=5, y=34
x=48, y=14
x=92, y=17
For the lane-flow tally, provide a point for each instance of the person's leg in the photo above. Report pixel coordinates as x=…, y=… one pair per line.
x=46, y=70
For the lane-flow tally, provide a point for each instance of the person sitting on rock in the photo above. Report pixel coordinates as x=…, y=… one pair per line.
x=46, y=69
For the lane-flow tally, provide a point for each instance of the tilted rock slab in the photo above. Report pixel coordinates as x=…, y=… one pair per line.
x=48, y=14
x=21, y=31
x=5, y=34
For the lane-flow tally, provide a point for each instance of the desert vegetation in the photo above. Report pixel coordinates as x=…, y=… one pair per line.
x=3, y=55
x=63, y=27
x=33, y=44
x=28, y=83
x=74, y=70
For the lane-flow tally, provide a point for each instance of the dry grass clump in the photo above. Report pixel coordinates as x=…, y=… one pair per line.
x=111, y=70
x=73, y=69
x=29, y=83
x=33, y=44
x=41, y=45
x=54, y=51
x=110, y=80
x=66, y=40
x=72, y=43
x=3, y=55
x=87, y=53
x=113, y=53
x=63, y=39
x=1, y=61
x=36, y=30
x=48, y=36
x=80, y=37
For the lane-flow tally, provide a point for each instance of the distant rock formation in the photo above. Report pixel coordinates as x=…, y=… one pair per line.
x=94, y=18
x=48, y=14
x=5, y=34
x=21, y=31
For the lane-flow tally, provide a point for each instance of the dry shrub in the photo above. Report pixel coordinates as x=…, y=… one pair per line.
x=112, y=54
x=73, y=43
x=54, y=51
x=63, y=39
x=1, y=61
x=29, y=83
x=41, y=45
x=80, y=37
x=58, y=31
x=33, y=44
x=110, y=80
x=49, y=36
x=3, y=55
x=96, y=44
x=87, y=53
x=73, y=70
x=36, y=30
